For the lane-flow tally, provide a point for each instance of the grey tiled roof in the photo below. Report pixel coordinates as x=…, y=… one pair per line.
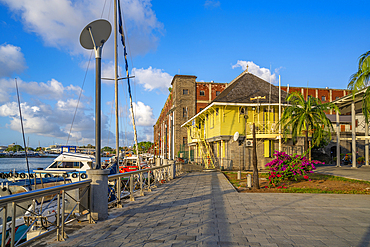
x=249, y=86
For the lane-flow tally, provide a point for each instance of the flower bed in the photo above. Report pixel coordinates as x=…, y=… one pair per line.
x=286, y=166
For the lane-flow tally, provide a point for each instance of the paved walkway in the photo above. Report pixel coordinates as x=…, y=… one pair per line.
x=362, y=172
x=202, y=209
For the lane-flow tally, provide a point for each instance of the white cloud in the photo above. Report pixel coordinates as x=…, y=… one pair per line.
x=256, y=70
x=34, y=120
x=11, y=60
x=52, y=89
x=212, y=4
x=59, y=22
x=152, y=78
x=143, y=114
x=148, y=133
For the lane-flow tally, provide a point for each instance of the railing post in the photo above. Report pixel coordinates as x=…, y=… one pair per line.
x=99, y=193
x=89, y=204
x=119, y=205
x=63, y=210
x=14, y=205
x=141, y=184
x=149, y=189
x=5, y=216
x=58, y=218
x=132, y=188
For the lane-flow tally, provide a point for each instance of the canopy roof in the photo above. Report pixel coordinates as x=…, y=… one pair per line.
x=344, y=103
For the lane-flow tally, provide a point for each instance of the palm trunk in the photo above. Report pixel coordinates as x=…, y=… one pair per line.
x=306, y=143
x=256, y=182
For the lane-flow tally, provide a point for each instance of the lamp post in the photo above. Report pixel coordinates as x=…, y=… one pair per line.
x=94, y=36
x=256, y=183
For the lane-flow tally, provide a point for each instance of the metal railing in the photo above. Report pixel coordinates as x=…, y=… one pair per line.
x=126, y=184
x=40, y=213
x=263, y=127
x=47, y=212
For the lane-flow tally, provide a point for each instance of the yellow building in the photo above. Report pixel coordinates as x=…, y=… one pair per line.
x=247, y=99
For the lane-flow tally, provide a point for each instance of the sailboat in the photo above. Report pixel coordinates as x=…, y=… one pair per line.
x=134, y=162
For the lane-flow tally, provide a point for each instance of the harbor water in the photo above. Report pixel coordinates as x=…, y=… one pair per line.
x=20, y=165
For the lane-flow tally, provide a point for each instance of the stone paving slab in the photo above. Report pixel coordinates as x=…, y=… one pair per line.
x=203, y=209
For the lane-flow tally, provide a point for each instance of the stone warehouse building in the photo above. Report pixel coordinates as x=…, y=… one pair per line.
x=186, y=98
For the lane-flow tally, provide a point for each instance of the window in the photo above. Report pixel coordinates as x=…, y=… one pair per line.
x=201, y=93
x=185, y=91
x=200, y=109
x=242, y=111
x=216, y=111
x=336, y=98
x=218, y=93
x=184, y=140
x=323, y=98
x=184, y=112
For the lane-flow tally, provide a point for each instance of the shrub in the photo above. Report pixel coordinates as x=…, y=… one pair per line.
x=286, y=166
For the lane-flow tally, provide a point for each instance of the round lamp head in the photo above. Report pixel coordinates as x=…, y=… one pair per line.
x=100, y=30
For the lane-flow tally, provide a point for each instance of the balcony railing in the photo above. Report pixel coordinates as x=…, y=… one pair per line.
x=263, y=127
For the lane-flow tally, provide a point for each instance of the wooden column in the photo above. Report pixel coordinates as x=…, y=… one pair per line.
x=353, y=115
x=338, y=140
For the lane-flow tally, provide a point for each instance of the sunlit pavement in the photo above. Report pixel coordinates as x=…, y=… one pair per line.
x=203, y=209
x=362, y=172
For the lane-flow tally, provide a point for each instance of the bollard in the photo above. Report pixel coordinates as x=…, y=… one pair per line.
x=157, y=161
x=99, y=191
x=165, y=162
x=239, y=175
x=249, y=181
x=172, y=169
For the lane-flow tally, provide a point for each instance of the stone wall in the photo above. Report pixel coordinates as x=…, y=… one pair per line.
x=184, y=106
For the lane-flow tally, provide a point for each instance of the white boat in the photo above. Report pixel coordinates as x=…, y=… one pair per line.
x=72, y=162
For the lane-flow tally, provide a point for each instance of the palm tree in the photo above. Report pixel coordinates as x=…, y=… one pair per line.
x=360, y=80
x=307, y=116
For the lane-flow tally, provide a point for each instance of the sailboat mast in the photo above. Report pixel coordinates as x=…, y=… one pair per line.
x=128, y=83
x=24, y=140
x=116, y=81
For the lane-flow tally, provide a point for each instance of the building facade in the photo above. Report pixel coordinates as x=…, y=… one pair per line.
x=220, y=135
x=189, y=97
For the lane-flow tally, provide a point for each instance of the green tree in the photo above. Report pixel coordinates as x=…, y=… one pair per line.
x=143, y=146
x=360, y=80
x=15, y=148
x=304, y=117
x=107, y=149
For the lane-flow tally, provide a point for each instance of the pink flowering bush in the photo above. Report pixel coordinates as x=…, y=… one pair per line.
x=286, y=166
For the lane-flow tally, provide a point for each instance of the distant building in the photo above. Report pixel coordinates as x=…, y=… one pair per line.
x=187, y=98
x=11, y=145
x=3, y=148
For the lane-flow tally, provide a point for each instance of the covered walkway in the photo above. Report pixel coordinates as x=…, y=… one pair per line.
x=203, y=209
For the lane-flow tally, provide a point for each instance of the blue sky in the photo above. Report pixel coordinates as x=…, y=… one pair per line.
x=306, y=42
